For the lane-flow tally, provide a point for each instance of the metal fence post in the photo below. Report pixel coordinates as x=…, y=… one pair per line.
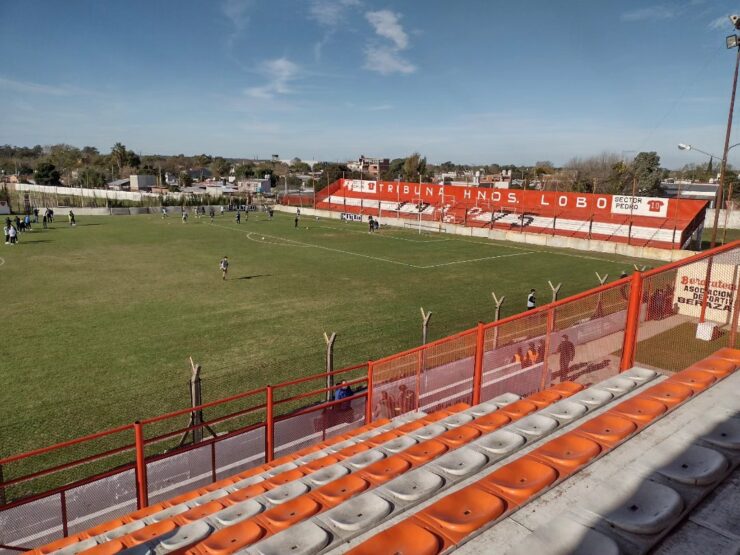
x=633, y=320
x=548, y=341
x=142, y=494
x=329, y=340
x=478, y=368
x=369, y=399
x=735, y=313
x=269, y=425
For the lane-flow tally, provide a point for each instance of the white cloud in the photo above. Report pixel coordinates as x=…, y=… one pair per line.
x=280, y=72
x=27, y=87
x=386, y=60
x=237, y=12
x=651, y=13
x=330, y=13
x=719, y=23
x=387, y=24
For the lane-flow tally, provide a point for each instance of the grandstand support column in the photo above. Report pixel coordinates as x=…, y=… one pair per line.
x=142, y=495
x=633, y=319
x=329, y=339
x=478, y=368
x=548, y=338
x=369, y=398
x=269, y=425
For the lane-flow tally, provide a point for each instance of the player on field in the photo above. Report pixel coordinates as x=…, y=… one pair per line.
x=224, y=266
x=531, y=300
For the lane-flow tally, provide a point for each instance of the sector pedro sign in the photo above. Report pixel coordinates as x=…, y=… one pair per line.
x=723, y=287
x=640, y=206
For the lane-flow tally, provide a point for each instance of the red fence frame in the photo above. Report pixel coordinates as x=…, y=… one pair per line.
x=264, y=397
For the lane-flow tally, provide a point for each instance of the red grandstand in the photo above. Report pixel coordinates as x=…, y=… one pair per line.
x=640, y=221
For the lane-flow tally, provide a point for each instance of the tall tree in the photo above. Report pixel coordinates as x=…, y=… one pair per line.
x=646, y=169
x=414, y=167
x=119, y=155
x=47, y=174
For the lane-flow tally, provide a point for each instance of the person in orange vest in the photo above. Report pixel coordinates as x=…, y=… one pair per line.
x=532, y=354
x=519, y=358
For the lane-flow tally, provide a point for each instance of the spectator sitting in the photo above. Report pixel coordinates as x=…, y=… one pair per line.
x=342, y=393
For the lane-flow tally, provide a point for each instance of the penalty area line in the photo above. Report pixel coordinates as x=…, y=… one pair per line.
x=474, y=260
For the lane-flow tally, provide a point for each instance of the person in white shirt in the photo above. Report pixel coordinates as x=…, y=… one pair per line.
x=13, y=234
x=224, y=266
x=531, y=301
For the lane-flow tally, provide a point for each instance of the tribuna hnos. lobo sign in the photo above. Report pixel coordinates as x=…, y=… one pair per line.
x=536, y=201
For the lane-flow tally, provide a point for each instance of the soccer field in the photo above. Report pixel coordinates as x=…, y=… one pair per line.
x=100, y=319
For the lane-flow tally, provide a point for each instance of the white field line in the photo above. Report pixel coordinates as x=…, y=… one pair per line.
x=384, y=235
x=350, y=253
x=250, y=235
x=2, y=261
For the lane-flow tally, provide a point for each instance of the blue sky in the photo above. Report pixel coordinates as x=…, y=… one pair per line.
x=470, y=81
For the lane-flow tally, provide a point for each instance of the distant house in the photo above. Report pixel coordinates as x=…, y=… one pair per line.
x=200, y=174
x=254, y=185
x=119, y=184
x=370, y=166
x=196, y=189
x=142, y=182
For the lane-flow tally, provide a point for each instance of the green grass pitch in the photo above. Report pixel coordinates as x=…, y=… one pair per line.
x=99, y=320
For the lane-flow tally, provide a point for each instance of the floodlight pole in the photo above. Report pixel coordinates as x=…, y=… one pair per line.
x=720, y=190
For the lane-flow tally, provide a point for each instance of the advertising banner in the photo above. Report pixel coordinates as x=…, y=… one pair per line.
x=640, y=206
x=349, y=217
x=4, y=208
x=723, y=287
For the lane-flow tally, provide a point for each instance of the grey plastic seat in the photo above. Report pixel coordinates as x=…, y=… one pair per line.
x=236, y=513
x=428, y=432
x=280, y=469
x=412, y=487
x=460, y=463
x=617, y=385
x=77, y=547
x=326, y=475
x=286, y=492
x=361, y=460
x=565, y=411
x=725, y=435
x=456, y=420
x=311, y=457
x=246, y=482
x=341, y=445
x=141, y=549
x=358, y=514
x=563, y=536
x=481, y=410
x=399, y=444
x=408, y=417
x=305, y=538
x=639, y=375
x=649, y=510
x=166, y=513
x=182, y=537
x=696, y=466
x=505, y=399
x=499, y=443
x=534, y=426
x=207, y=498
x=121, y=531
x=592, y=398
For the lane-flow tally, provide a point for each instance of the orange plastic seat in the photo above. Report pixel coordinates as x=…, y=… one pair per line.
x=352, y=450
x=231, y=539
x=287, y=514
x=148, y=533
x=459, y=436
x=196, y=513
x=405, y=538
x=490, y=422
x=728, y=353
x=384, y=470
x=640, y=410
x=243, y=494
x=668, y=393
x=518, y=409
x=141, y=513
x=69, y=540
x=519, y=480
x=252, y=472
x=182, y=498
x=566, y=389
x=424, y=452
x=698, y=380
x=607, y=429
x=460, y=513
x=220, y=484
x=457, y=407
x=434, y=417
x=412, y=426
x=284, y=478
x=544, y=398
x=382, y=438
x=338, y=491
x=107, y=548
x=318, y=464
x=567, y=453
x=717, y=366
x=274, y=463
